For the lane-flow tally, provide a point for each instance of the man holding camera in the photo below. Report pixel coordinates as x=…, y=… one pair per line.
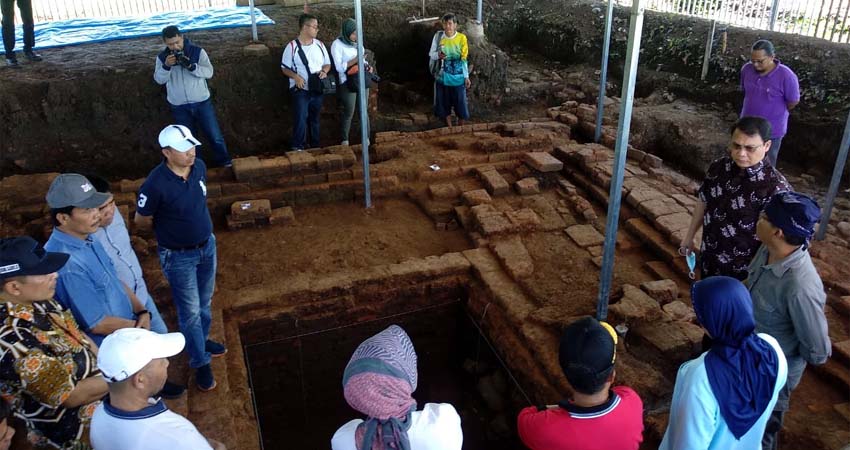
x=184, y=69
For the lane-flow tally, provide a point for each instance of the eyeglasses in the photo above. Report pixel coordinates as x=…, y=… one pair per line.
x=760, y=61
x=749, y=148
x=316, y=27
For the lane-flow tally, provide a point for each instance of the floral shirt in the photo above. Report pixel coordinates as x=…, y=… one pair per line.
x=43, y=354
x=734, y=197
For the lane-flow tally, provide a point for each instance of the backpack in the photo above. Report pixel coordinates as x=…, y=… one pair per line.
x=435, y=66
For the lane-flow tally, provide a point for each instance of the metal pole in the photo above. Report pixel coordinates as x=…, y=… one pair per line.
x=774, y=13
x=253, y=21
x=836, y=180
x=708, y=46
x=480, y=12
x=364, y=103
x=620, y=150
x=603, y=75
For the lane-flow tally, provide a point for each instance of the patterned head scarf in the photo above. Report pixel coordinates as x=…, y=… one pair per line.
x=742, y=368
x=794, y=213
x=379, y=381
x=348, y=26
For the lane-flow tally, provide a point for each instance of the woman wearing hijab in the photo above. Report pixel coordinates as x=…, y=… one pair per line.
x=344, y=54
x=723, y=398
x=379, y=381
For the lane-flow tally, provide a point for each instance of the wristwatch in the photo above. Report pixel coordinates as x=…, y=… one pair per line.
x=139, y=315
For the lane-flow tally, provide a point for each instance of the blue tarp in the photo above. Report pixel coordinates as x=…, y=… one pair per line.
x=84, y=31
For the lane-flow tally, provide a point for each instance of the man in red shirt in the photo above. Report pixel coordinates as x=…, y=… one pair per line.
x=596, y=416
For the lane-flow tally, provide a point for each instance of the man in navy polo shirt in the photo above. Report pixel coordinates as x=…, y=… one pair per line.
x=173, y=199
x=771, y=91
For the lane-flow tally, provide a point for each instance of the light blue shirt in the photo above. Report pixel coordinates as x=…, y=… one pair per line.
x=695, y=419
x=115, y=240
x=88, y=284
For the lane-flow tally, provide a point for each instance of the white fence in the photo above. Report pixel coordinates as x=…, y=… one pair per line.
x=825, y=19
x=52, y=10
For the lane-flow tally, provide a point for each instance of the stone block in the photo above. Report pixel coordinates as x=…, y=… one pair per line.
x=495, y=183
x=678, y=310
x=235, y=224
x=476, y=197
x=585, y=235
x=301, y=162
x=527, y=186
x=653, y=161
x=329, y=163
x=655, y=208
x=235, y=188
x=664, y=291
x=274, y=167
x=677, y=341
x=490, y=220
x=635, y=154
x=282, y=216
x=342, y=175
x=524, y=219
x=443, y=191
x=256, y=49
x=315, y=178
x=635, y=306
x=677, y=223
x=568, y=118
x=542, y=162
x=251, y=209
x=642, y=194
x=513, y=256
x=245, y=169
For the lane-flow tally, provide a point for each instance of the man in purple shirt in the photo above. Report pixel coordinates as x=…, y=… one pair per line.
x=770, y=90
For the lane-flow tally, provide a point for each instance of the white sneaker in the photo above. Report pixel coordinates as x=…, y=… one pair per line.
x=345, y=143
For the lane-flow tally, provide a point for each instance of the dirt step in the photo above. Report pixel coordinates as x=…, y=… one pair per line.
x=841, y=352
x=834, y=372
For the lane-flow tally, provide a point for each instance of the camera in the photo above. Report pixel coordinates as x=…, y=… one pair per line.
x=373, y=76
x=182, y=59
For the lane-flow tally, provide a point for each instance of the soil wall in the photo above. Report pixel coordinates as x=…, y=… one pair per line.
x=671, y=59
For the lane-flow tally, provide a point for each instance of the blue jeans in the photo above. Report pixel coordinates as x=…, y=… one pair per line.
x=796, y=366
x=191, y=274
x=773, y=152
x=203, y=115
x=305, y=112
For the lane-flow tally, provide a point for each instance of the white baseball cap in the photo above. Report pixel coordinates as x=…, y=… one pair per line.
x=127, y=350
x=177, y=137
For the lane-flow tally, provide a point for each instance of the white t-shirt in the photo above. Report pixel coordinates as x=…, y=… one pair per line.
x=152, y=428
x=316, y=54
x=436, y=427
x=342, y=53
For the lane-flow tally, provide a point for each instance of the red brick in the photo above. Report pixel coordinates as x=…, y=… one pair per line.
x=677, y=341
x=658, y=207
x=635, y=306
x=250, y=209
x=527, y=186
x=315, y=178
x=282, y=216
x=677, y=223
x=244, y=169
x=639, y=195
x=339, y=176
x=235, y=188
x=513, y=256
x=443, y=191
x=275, y=167
x=664, y=291
x=235, y=224
x=301, y=162
x=678, y=310
x=329, y=163
x=635, y=154
x=568, y=118
x=542, y=162
x=495, y=183
x=585, y=235
x=651, y=160
x=524, y=219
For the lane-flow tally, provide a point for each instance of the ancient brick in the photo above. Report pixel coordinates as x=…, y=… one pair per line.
x=664, y=291
x=495, y=183
x=131, y=185
x=315, y=178
x=678, y=310
x=658, y=207
x=235, y=188
x=514, y=257
x=490, y=221
x=635, y=306
x=585, y=235
x=524, y=219
x=272, y=167
x=542, y=161
x=568, y=119
x=653, y=161
x=674, y=223
x=301, y=162
x=608, y=140
x=281, y=216
x=639, y=195
x=339, y=176
x=595, y=250
x=677, y=341
x=635, y=154
x=586, y=113
x=653, y=238
x=597, y=261
x=464, y=216
x=329, y=163
x=244, y=169
x=251, y=209
x=235, y=224
x=443, y=191
x=527, y=186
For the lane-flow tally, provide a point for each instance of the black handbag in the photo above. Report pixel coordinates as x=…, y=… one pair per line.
x=352, y=81
x=316, y=85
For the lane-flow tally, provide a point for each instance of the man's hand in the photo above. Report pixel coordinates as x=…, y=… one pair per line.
x=144, y=321
x=442, y=55
x=299, y=82
x=322, y=74
x=467, y=83
x=170, y=60
x=687, y=244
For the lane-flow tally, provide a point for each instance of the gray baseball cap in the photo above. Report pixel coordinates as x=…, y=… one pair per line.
x=72, y=189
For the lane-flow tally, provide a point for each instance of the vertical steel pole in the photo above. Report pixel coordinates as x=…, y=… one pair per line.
x=480, y=10
x=603, y=75
x=253, y=21
x=620, y=150
x=774, y=13
x=836, y=180
x=708, y=46
x=364, y=103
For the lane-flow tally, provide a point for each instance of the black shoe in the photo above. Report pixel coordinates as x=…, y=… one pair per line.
x=33, y=56
x=204, y=378
x=215, y=348
x=13, y=62
x=172, y=390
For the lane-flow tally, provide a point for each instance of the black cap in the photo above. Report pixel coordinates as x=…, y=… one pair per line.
x=587, y=352
x=21, y=256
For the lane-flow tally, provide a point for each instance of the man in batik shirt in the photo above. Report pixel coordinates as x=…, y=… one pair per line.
x=47, y=364
x=735, y=190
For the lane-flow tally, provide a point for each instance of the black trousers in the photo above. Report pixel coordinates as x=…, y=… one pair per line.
x=8, y=10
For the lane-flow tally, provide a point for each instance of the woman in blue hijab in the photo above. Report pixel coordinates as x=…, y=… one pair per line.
x=723, y=398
